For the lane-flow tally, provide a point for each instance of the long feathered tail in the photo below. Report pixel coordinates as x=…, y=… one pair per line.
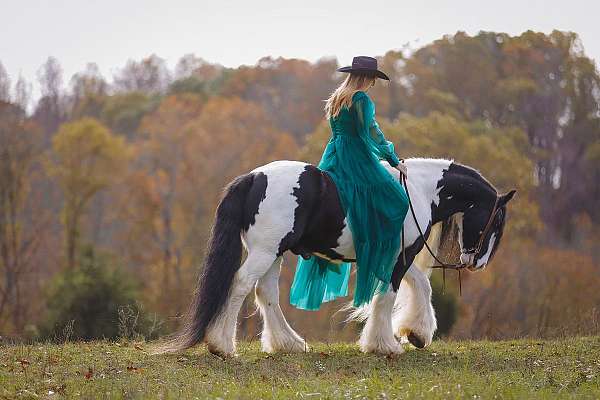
x=223, y=258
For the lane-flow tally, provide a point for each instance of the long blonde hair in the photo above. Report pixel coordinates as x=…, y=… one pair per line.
x=342, y=96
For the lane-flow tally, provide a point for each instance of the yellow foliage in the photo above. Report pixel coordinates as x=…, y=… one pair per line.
x=87, y=159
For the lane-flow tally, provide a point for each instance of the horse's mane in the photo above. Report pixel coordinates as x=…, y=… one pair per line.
x=443, y=240
x=474, y=173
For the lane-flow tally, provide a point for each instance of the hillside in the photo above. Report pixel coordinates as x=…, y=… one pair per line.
x=508, y=369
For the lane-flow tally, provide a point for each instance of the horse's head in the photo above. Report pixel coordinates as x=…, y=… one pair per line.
x=481, y=230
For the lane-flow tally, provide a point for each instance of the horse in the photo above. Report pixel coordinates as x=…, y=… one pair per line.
x=294, y=206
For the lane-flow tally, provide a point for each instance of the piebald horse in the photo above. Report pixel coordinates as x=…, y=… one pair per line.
x=290, y=205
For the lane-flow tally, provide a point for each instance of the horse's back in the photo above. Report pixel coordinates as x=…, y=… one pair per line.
x=281, y=166
x=275, y=216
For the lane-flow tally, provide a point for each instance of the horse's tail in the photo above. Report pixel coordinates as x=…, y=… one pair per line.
x=223, y=258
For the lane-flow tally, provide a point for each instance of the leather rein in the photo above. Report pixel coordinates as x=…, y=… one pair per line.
x=457, y=266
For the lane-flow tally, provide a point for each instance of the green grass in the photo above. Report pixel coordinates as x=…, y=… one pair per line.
x=508, y=369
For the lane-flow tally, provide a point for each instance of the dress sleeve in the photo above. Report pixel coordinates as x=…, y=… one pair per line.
x=370, y=132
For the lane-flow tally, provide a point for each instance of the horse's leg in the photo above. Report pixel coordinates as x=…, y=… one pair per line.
x=414, y=316
x=377, y=335
x=221, y=334
x=277, y=334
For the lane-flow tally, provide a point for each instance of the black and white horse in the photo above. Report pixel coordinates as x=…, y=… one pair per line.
x=289, y=205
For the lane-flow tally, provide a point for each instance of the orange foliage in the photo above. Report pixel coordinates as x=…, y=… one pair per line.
x=532, y=291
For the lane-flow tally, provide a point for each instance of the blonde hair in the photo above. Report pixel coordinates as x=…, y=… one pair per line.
x=342, y=96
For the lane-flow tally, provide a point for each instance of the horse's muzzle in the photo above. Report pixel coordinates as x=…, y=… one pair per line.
x=467, y=259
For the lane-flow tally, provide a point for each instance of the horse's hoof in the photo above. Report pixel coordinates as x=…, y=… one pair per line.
x=220, y=353
x=415, y=340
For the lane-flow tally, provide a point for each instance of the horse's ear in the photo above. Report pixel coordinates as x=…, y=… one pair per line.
x=505, y=198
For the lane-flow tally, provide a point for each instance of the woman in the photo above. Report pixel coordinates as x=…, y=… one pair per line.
x=374, y=201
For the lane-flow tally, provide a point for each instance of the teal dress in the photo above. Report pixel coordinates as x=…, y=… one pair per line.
x=374, y=203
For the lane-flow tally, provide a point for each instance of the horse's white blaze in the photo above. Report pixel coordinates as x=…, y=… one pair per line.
x=458, y=220
x=486, y=257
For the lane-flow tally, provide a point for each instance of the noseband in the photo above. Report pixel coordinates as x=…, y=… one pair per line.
x=458, y=266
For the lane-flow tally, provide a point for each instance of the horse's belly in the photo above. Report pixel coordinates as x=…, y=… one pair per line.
x=345, y=244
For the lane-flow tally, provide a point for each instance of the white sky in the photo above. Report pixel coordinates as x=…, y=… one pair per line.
x=109, y=32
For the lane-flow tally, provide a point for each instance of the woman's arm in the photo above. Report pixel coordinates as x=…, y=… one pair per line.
x=371, y=133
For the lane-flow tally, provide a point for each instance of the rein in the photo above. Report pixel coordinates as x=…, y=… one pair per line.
x=457, y=266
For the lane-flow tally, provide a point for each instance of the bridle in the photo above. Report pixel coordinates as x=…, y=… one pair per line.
x=486, y=230
x=473, y=252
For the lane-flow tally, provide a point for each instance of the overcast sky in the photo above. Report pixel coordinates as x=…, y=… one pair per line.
x=109, y=32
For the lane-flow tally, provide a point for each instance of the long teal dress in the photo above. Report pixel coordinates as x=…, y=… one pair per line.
x=375, y=205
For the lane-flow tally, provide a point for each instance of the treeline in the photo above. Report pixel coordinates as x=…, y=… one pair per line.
x=108, y=188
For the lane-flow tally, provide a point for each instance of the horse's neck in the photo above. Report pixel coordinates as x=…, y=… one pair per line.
x=423, y=178
x=425, y=175
x=445, y=187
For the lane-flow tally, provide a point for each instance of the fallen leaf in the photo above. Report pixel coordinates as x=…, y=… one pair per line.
x=89, y=374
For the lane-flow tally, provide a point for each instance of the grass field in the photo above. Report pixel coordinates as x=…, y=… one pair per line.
x=509, y=369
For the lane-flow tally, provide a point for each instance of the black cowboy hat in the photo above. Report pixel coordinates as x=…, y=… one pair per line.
x=364, y=65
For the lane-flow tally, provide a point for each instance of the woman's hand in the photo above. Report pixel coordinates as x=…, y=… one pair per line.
x=402, y=168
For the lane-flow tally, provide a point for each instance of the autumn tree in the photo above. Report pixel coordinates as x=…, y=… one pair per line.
x=4, y=85
x=543, y=84
x=391, y=95
x=291, y=91
x=20, y=226
x=149, y=75
x=123, y=112
x=89, y=90
x=50, y=110
x=22, y=93
x=186, y=151
x=194, y=75
x=87, y=159
x=166, y=199
x=231, y=137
